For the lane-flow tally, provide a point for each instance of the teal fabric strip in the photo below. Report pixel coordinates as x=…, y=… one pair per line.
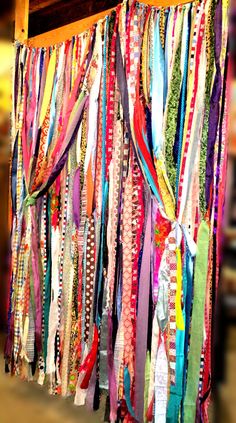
x=176, y=390
x=100, y=279
x=127, y=392
x=157, y=89
x=47, y=283
x=188, y=307
x=197, y=326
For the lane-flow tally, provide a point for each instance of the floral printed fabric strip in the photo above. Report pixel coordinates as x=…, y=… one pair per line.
x=117, y=175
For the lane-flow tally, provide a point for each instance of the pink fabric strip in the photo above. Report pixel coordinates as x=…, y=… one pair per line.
x=142, y=319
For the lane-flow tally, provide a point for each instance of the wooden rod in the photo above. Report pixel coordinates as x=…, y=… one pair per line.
x=21, y=20
x=164, y=3
x=67, y=31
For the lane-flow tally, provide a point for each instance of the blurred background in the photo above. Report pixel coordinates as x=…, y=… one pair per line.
x=6, y=55
x=29, y=402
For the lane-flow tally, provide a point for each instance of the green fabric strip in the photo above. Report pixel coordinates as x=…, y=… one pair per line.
x=209, y=76
x=146, y=386
x=172, y=117
x=194, y=355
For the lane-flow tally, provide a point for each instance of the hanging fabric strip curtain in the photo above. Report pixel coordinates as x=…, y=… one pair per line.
x=117, y=191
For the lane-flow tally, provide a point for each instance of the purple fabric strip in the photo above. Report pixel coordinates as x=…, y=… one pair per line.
x=36, y=277
x=122, y=83
x=91, y=389
x=76, y=198
x=70, y=138
x=10, y=335
x=214, y=104
x=111, y=372
x=142, y=319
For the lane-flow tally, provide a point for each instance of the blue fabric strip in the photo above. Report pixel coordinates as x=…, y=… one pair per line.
x=188, y=307
x=157, y=90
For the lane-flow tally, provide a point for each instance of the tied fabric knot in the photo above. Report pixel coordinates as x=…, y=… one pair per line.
x=181, y=230
x=30, y=200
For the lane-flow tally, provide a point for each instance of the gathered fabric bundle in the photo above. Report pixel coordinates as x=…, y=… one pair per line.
x=117, y=191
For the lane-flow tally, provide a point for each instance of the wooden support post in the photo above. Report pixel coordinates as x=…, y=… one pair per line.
x=21, y=20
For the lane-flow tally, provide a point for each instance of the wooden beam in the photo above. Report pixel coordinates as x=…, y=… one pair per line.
x=51, y=14
x=67, y=31
x=164, y=3
x=35, y=5
x=65, y=12
x=21, y=20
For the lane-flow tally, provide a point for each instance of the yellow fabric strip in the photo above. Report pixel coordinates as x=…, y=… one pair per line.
x=48, y=87
x=178, y=308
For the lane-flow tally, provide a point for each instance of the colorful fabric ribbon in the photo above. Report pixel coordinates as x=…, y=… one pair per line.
x=117, y=187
